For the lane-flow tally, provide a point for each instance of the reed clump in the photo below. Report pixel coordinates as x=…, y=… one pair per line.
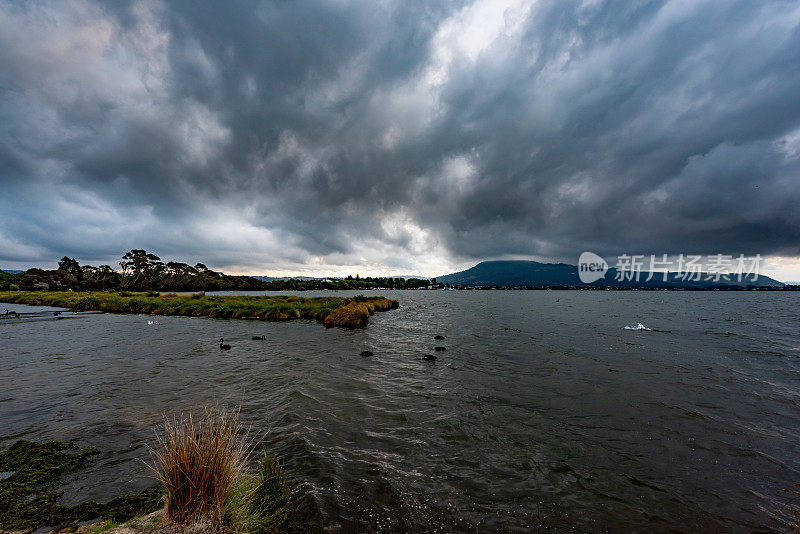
x=198, y=460
x=349, y=315
x=263, y=504
x=201, y=463
x=356, y=311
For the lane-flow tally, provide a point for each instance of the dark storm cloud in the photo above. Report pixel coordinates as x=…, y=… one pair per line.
x=397, y=135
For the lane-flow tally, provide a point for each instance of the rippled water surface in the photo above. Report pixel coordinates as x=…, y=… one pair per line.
x=544, y=413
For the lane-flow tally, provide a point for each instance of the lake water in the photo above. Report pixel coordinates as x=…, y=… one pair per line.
x=545, y=413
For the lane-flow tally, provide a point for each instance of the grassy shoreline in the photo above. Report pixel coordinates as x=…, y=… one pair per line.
x=207, y=484
x=330, y=311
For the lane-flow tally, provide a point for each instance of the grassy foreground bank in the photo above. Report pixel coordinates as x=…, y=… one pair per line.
x=331, y=311
x=207, y=484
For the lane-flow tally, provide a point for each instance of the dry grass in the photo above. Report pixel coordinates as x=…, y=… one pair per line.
x=350, y=315
x=357, y=310
x=198, y=461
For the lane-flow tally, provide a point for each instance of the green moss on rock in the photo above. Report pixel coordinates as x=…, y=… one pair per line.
x=29, y=492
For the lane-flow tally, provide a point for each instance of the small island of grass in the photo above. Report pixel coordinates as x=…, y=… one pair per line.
x=330, y=311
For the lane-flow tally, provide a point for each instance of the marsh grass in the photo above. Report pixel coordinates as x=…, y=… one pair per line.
x=101, y=527
x=357, y=312
x=270, y=505
x=198, y=460
x=201, y=462
x=331, y=311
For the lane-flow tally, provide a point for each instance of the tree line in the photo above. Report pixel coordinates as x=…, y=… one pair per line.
x=140, y=270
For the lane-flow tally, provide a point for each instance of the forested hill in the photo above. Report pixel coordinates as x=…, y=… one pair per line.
x=537, y=274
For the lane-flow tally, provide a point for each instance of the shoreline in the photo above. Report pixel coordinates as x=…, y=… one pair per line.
x=344, y=312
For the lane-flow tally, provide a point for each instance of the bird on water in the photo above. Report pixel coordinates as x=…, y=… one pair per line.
x=222, y=346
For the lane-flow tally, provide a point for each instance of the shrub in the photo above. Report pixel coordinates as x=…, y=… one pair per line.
x=13, y=287
x=88, y=302
x=198, y=460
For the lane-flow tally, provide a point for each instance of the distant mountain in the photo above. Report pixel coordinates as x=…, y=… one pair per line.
x=11, y=271
x=535, y=274
x=514, y=274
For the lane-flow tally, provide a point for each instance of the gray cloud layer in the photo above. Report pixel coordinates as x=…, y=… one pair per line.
x=397, y=136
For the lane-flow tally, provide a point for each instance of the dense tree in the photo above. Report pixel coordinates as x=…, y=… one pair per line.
x=141, y=265
x=102, y=278
x=72, y=266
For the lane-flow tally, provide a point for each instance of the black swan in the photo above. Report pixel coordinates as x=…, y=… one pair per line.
x=261, y=338
x=366, y=353
x=438, y=337
x=223, y=347
x=429, y=358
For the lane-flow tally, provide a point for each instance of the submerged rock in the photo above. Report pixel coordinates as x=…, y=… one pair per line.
x=440, y=349
x=438, y=337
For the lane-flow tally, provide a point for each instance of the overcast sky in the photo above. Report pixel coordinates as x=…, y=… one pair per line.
x=398, y=137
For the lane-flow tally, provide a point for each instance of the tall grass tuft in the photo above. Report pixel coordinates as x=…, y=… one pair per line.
x=198, y=460
x=349, y=315
x=270, y=506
